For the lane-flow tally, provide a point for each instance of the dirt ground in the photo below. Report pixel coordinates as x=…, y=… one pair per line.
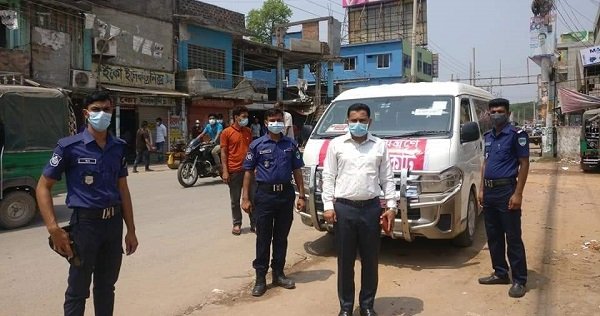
x=561, y=230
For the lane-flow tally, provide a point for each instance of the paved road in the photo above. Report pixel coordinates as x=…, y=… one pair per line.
x=187, y=253
x=188, y=262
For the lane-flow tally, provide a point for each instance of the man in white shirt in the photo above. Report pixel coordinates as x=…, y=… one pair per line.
x=161, y=134
x=357, y=167
x=287, y=120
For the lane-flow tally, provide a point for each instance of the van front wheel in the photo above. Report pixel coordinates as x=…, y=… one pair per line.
x=465, y=239
x=17, y=209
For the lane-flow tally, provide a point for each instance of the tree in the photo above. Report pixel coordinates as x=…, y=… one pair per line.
x=261, y=22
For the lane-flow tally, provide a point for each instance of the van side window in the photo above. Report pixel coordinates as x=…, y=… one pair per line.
x=465, y=111
x=483, y=115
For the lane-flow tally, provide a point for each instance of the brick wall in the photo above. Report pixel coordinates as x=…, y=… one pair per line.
x=220, y=16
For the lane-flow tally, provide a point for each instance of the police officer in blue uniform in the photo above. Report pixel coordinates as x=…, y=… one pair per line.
x=504, y=174
x=93, y=162
x=272, y=158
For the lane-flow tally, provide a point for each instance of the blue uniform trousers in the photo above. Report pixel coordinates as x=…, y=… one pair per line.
x=273, y=213
x=99, y=243
x=357, y=228
x=503, y=228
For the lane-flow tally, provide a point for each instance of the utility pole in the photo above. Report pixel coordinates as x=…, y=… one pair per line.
x=474, y=71
x=413, y=53
x=500, y=72
x=280, y=33
x=471, y=73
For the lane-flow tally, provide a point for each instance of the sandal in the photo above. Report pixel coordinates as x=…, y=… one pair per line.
x=236, y=230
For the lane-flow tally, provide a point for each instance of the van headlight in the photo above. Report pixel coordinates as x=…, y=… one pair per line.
x=445, y=181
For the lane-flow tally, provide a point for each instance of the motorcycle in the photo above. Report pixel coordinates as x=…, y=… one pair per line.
x=197, y=163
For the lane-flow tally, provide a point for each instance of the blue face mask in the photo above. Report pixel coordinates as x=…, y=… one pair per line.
x=244, y=122
x=275, y=127
x=358, y=129
x=99, y=120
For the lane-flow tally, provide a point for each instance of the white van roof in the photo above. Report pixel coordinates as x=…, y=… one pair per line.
x=411, y=89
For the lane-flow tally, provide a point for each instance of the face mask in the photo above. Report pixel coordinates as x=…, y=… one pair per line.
x=244, y=122
x=220, y=121
x=275, y=127
x=99, y=120
x=358, y=129
x=499, y=119
x=211, y=122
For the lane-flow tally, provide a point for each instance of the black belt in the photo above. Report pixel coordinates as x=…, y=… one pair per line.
x=98, y=213
x=359, y=203
x=492, y=183
x=274, y=187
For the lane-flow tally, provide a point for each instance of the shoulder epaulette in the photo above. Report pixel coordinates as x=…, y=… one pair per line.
x=70, y=140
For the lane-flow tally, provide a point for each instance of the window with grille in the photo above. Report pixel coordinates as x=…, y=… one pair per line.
x=211, y=60
x=349, y=63
x=383, y=61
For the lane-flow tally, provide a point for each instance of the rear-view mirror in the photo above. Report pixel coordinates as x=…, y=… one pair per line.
x=469, y=132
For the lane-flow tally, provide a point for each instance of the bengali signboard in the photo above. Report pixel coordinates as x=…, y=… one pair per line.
x=590, y=56
x=135, y=77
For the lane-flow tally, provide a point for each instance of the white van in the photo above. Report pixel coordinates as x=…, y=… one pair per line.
x=434, y=138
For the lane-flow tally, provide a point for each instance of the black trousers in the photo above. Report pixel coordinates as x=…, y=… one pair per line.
x=100, y=249
x=273, y=213
x=142, y=155
x=357, y=229
x=503, y=228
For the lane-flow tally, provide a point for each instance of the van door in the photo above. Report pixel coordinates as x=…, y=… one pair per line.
x=470, y=153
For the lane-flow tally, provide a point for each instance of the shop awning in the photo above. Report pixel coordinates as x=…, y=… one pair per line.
x=573, y=101
x=146, y=92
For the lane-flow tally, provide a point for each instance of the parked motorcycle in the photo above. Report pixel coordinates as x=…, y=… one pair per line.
x=197, y=163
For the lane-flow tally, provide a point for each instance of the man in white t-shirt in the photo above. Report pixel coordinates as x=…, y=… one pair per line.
x=287, y=120
x=161, y=135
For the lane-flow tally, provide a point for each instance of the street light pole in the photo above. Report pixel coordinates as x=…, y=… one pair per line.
x=413, y=53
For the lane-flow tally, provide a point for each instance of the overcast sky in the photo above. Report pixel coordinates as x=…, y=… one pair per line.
x=498, y=29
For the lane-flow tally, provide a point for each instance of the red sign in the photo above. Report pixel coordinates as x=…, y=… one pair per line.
x=407, y=153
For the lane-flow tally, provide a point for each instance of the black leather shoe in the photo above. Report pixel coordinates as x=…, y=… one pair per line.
x=279, y=279
x=345, y=313
x=260, y=286
x=494, y=279
x=367, y=312
x=517, y=290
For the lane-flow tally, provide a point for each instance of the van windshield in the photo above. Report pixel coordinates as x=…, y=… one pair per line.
x=394, y=116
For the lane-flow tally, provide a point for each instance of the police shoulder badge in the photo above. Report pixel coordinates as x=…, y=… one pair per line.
x=522, y=141
x=89, y=180
x=55, y=160
x=249, y=156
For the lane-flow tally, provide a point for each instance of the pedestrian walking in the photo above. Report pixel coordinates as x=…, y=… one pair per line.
x=93, y=162
x=161, y=136
x=503, y=178
x=235, y=142
x=143, y=146
x=256, y=129
x=288, y=121
x=274, y=158
x=356, y=168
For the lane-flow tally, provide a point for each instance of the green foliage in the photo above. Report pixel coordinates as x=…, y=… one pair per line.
x=261, y=22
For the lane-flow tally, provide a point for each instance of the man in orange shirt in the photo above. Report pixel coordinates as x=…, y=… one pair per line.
x=235, y=141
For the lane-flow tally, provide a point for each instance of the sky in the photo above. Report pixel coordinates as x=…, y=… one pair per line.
x=497, y=29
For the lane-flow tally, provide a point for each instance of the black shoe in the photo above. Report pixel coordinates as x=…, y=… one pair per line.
x=345, y=313
x=494, y=279
x=260, y=286
x=367, y=312
x=135, y=171
x=279, y=279
x=517, y=290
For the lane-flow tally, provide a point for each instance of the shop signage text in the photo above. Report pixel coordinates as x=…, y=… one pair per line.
x=135, y=77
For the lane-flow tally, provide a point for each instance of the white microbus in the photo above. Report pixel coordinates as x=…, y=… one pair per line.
x=434, y=134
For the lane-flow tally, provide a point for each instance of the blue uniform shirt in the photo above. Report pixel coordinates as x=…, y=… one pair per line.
x=502, y=152
x=212, y=130
x=274, y=161
x=92, y=173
